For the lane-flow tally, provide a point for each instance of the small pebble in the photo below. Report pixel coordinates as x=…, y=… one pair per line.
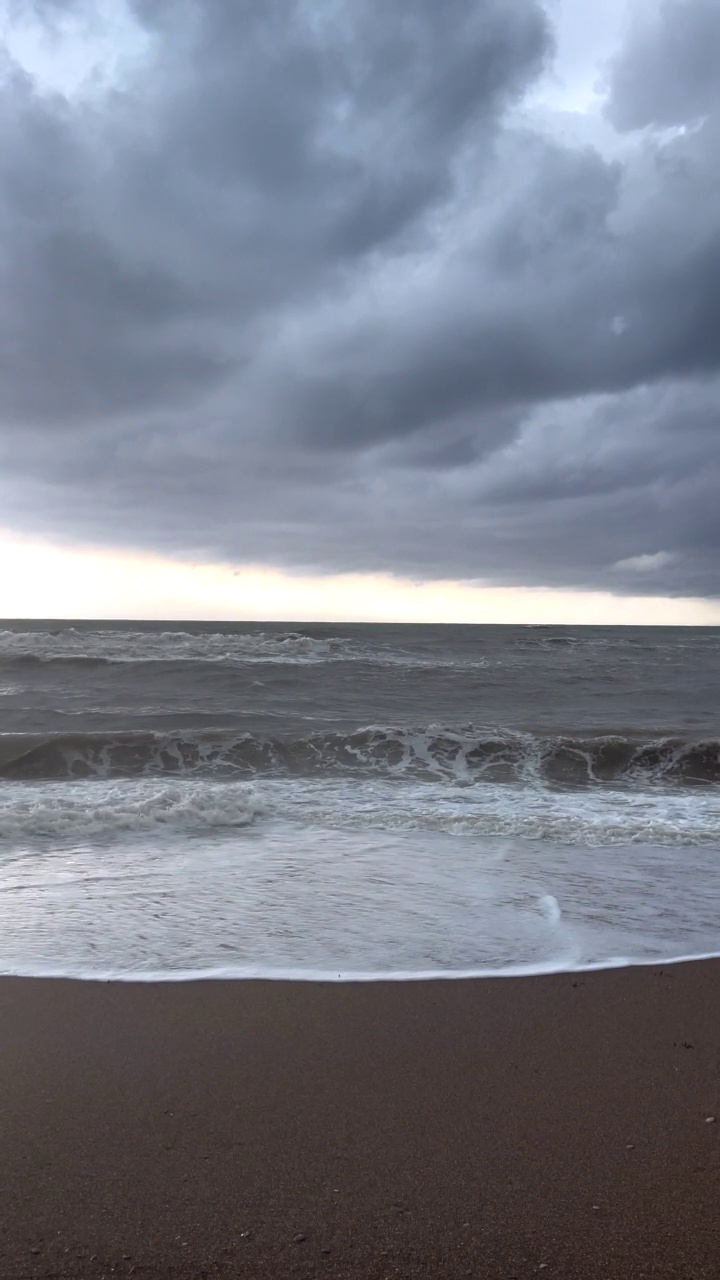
x=300, y=1238
x=710, y=1120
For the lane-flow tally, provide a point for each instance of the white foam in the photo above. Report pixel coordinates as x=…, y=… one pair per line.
x=280, y=898
x=255, y=973
x=81, y=809
x=590, y=817
x=87, y=810
x=551, y=907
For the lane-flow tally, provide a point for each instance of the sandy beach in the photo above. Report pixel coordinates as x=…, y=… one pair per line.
x=556, y=1126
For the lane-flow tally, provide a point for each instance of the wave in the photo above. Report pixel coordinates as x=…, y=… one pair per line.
x=187, y=806
x=88, y=650
x=119, y=647
x=105, y=810
x=437, y=752
x=109, y=648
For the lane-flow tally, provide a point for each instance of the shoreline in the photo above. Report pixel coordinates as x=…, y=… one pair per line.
x=327, y=977
x=555, y=1124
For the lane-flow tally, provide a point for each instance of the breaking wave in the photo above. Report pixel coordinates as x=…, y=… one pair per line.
x=128, y=808
x=464, y=755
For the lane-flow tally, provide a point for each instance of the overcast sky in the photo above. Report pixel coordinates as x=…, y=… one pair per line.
x=415, y=288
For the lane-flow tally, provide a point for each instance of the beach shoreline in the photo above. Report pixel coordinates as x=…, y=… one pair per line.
x=565, y=1125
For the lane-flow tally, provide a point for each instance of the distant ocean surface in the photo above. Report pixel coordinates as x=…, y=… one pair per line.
x=355, y=801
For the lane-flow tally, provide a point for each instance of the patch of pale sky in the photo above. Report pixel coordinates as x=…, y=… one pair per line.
x=82, y=51
x=647, y=563
x=586, y=36
x=41, y=580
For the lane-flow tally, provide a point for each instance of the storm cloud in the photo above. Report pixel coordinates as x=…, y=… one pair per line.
x=317, y=287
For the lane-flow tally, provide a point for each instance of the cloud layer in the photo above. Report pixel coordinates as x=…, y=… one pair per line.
x=312, y=286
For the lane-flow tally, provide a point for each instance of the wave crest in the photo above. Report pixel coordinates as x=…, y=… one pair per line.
x=462, y=755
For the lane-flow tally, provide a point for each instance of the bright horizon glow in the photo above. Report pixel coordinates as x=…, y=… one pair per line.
x=43, y=580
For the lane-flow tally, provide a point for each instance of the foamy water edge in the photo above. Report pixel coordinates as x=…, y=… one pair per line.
x=249, y=973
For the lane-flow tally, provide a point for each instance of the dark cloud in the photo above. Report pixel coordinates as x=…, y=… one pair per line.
x=307, y=286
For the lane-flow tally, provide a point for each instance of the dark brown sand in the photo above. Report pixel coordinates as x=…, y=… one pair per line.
x=499, y=1128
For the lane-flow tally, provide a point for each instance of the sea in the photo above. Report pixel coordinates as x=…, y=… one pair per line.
x=355, y=801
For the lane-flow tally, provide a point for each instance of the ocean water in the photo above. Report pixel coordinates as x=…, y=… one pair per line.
x=355, y=801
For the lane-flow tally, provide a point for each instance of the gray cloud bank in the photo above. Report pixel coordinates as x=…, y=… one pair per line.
x=309, y=286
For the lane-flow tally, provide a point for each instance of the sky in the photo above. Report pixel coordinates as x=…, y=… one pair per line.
x=360, y=310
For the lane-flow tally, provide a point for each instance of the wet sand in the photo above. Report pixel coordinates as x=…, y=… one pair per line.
x=500, y=1128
